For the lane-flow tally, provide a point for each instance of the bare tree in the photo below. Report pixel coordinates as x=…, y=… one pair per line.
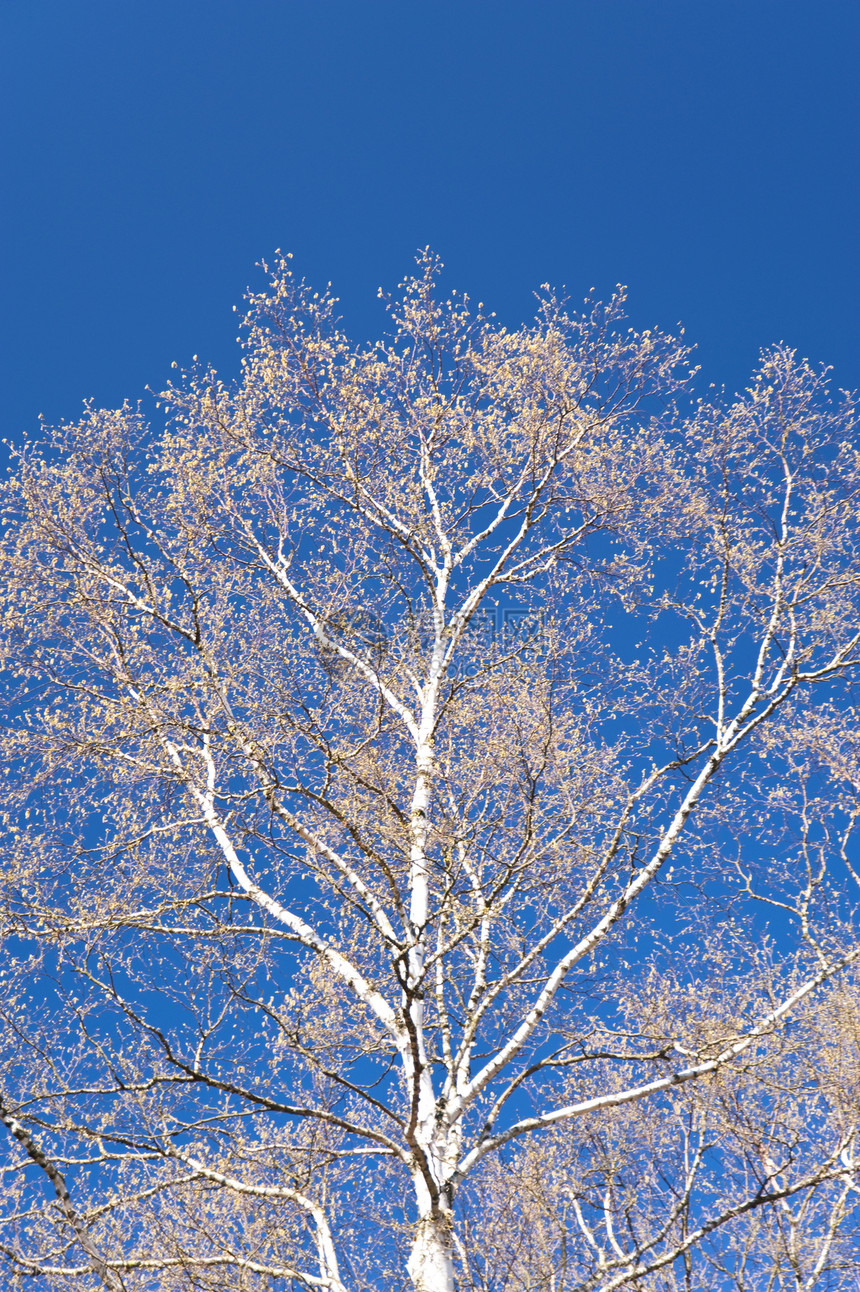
x=432, y=775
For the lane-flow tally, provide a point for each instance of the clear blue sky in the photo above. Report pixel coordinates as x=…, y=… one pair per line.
x=703, y=151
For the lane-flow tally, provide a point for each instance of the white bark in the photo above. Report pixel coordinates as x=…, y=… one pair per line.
x=431, y=1262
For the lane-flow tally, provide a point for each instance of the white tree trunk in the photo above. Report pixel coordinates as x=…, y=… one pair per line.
x=431, y=1263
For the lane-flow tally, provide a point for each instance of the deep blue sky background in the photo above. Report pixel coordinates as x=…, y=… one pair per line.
x=703, y=151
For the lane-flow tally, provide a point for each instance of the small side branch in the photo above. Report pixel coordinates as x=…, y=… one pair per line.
x=109, y=1277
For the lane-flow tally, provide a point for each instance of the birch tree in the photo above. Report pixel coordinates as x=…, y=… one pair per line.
x=431, y=779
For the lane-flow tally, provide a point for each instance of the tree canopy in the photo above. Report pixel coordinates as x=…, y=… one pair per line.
x=432, y=771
